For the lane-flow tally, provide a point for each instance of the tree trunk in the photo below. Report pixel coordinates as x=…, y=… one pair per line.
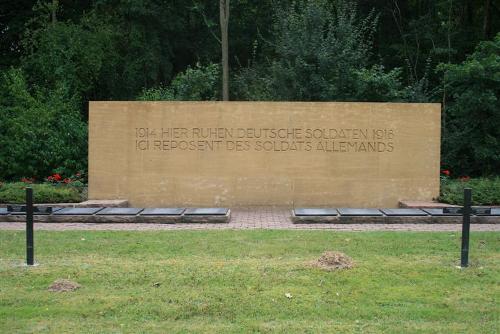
x=53, y=11
x=487, y=19
x=224, y=23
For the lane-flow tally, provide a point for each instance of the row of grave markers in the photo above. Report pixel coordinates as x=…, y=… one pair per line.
x=16, y=210
x=29, y=209
x=112, y=211
x=449, y=211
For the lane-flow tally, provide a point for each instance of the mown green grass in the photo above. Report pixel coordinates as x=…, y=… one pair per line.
x=236, y=281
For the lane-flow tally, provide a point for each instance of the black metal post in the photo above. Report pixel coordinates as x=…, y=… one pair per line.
x=464, y=260
x=30, y=249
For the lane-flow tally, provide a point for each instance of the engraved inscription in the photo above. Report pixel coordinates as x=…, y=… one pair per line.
x=335, y=140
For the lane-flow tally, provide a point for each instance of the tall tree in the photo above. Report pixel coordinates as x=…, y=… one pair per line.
x=53, y=11
x=487, y=19
x=224, y=24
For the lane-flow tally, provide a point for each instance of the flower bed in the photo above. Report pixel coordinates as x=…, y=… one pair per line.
x=54, y=189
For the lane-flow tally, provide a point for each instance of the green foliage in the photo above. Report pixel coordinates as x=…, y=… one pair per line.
x=254, y=83
x=70, y=54
x=471, y=137
x=322, y=53
x=43, y=193
x=110, y=51
x=157, y=94
x=304, y=50
x=201, y=83
x=142, y=48
x=374, y=84
x=485, y=191
x=41, y=130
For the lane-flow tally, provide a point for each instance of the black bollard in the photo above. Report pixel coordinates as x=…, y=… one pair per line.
x=464, y=260
x=30, y=249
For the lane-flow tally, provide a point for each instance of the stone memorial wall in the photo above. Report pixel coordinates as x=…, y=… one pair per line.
x=263, y=153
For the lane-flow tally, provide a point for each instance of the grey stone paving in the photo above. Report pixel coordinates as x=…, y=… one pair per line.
x=252, y=218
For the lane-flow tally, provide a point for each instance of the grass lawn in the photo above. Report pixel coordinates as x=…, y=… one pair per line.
x=236, y=281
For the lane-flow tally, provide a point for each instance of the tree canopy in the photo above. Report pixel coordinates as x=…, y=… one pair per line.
x=56, y=55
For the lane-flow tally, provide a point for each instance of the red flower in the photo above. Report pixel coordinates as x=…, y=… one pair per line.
x=464, y=178
x=67, y=180
x=446, y=172
x=50, y=179
x=78, y=174
x=27, y=180
x=57, y=177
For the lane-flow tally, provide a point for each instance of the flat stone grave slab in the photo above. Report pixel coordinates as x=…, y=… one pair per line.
x=77, y=211
x=424, y=205
x=3, y=211
x=453, y=210
x=119, y=211
x=106, y=203
x=403, y=212
x=162, y=211
x=206, y=215
x=481, y=211
x=315, y=216
x=359, y=212
x=16, y=208
x=315, y=212
x=495, y=211
x=441, y=212
x=37, y=210
x=206, y=211
x=45, y=210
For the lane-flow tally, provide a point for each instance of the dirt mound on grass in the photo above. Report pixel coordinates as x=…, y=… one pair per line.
x=333, y=260
x=63, y=285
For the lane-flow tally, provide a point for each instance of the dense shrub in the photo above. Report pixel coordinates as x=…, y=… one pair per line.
x=69, y=53
x=109, y=52
x=43, y=193
x=41, y=129
x=323, y=53
x=471, y=134
x=485, y=191
x=200, y=83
